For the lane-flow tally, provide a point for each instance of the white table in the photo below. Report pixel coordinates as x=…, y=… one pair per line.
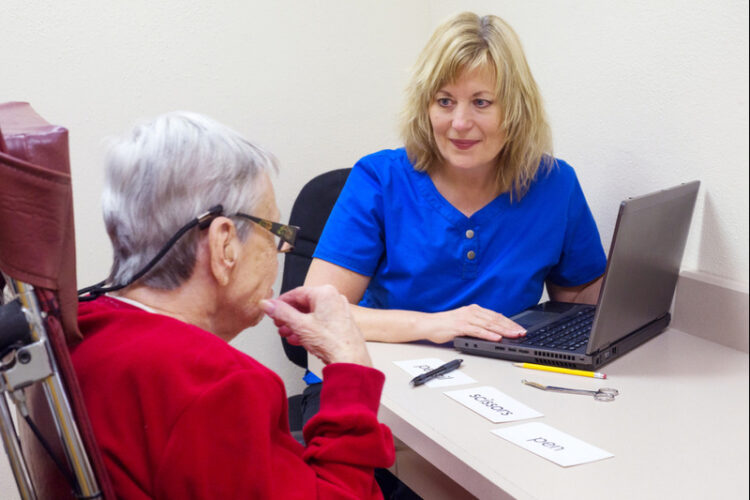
x=679, y=428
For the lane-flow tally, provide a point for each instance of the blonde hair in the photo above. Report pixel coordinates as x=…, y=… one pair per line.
x=464, y=43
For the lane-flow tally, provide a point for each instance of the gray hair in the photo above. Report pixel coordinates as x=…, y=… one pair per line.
x=165, y=173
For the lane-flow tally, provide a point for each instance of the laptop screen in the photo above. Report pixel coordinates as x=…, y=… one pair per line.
x=644, y=262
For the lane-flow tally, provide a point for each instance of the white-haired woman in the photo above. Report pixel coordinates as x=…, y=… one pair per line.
x=177, y=411
x=465, y=225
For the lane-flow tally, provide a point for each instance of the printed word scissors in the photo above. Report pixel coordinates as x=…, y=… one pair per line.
x=603, y=394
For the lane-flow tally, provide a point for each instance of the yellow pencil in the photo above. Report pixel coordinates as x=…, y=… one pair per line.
x=556, y=369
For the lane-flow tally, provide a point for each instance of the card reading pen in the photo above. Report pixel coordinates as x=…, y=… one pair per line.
x=440, y=370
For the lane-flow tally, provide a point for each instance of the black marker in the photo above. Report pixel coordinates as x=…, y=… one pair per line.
x=447, y=367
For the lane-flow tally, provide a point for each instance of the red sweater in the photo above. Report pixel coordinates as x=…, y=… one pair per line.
x=180, y=414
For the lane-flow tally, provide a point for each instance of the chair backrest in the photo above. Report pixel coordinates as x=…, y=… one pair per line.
x=310, y=212
x=37, y=247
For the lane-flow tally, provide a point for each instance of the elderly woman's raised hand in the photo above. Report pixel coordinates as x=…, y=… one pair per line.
x=319, y=319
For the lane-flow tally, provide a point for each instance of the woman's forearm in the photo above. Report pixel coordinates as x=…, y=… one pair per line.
x=392, y=325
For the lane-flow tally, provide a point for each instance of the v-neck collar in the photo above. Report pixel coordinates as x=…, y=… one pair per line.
x=430, y=193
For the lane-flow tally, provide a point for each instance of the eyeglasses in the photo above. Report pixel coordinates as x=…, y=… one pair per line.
x=287, y=234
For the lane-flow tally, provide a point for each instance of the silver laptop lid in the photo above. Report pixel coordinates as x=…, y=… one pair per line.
x=644, y=262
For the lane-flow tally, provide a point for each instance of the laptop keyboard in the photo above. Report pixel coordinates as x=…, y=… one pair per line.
x=568, y=334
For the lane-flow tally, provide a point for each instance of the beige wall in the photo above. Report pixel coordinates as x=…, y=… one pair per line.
x=641, y=95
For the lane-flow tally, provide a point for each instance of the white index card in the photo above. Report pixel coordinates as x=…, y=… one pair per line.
x=492, y=404
x=416, y=367
x=552, y=444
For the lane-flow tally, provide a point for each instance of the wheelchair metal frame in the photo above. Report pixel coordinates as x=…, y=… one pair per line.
x=33, y=362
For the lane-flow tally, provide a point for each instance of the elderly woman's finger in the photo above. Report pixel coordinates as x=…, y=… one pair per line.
x=300, y=298
x=294, y=339
x=282, y=313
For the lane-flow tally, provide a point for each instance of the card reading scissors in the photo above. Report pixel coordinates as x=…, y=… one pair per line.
x=603, y=394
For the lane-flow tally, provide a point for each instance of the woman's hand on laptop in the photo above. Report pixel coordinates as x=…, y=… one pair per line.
x=473, y=321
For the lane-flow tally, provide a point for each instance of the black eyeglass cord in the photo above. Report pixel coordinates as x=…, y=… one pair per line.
x=202, y=221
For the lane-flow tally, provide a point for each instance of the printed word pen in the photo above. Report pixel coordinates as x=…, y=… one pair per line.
x=556, y=369
x=440, y=370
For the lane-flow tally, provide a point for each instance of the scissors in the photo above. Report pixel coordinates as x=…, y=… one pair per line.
x=603, y=394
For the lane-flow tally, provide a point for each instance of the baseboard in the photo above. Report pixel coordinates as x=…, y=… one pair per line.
x=713, y=308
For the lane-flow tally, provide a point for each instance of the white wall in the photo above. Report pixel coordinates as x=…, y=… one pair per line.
x=318, y=83
x=641, y=95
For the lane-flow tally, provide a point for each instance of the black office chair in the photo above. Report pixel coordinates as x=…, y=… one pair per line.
x=310, y=212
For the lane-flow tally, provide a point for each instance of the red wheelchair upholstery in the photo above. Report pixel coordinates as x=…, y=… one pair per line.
x=37, y=246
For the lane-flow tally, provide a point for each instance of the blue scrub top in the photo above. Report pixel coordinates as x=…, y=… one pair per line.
x=391, y=224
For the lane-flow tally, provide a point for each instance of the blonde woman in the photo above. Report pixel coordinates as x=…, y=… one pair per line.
x=463, y=226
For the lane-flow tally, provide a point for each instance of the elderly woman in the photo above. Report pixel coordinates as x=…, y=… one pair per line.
x=464, y=226
x=178, y=412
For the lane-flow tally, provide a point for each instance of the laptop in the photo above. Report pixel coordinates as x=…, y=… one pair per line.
x=635, y=297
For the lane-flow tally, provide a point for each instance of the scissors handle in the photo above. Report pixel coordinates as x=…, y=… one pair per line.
x=606, y=394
